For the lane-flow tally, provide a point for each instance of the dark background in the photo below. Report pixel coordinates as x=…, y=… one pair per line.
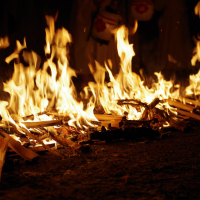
x=26, y=18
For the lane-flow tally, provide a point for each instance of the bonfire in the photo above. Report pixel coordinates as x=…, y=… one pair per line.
x=45, y=110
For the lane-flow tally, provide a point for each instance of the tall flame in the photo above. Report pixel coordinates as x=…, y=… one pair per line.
x=127, y=84
x=33, y=90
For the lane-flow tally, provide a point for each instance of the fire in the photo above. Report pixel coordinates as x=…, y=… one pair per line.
x=4, y=42
x=33, y=89
x=127, y=84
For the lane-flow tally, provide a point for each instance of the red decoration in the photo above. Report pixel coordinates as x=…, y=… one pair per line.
x=141, y=8
x=99, y=25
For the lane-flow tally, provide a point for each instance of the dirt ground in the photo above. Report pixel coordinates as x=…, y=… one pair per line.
x=167, y=168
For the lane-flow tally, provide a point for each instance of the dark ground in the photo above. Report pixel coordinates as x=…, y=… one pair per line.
x=167, y=168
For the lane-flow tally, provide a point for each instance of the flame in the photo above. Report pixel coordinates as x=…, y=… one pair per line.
x=34, y=90
x=4, y=42
x=194, y=88
x=197, y=9
x=127, y=84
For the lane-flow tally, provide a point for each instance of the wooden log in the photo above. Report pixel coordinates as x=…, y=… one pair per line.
x=42, y=123
x=18, y=148
x=105, y=117
x=39, y=141
x=177, y=124
x=112, y=123
x=3, y=149
x=154, y=103
x=30, y=135
x=181, y=105
x=188, y=114
x=100, y=117
x=36, y=149
x=135, y=123
x=32, y=116
x=61, y=140
x=190, y=101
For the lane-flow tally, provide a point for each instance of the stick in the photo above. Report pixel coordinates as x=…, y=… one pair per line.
x=18, y=148
x=196, y=103
x=154, y=103
x=42, y=123
x=108, y=117
x=40, y=142
x=134, y=122
x=113, y=123
x=32, y=116
x=180, y=105
x=30, y=135
x=61, y=140
x=98, y=116
x=188, y=114
x=177, y=124
x=128, y=102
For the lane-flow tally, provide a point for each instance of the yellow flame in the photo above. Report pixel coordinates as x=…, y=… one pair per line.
x=4, y=42
x=33, y=90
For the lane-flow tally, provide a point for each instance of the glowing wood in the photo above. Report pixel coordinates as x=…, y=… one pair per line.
x=181, y=105
x=42, y=123
x=188, y=114
x=18, y=148
x=196, y=103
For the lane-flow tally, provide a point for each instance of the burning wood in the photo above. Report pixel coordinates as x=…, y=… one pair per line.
x=42, y=123
x=180, y=105
x=63, y=141
x=130, y=108
x=18, y=148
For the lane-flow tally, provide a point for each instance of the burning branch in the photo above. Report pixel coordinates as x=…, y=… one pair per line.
x=61, y=140
x=18, y=148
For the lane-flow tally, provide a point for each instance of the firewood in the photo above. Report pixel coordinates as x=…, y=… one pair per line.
x=29, y=134
x=3, y=149
x=108, y=117
x=61, y=140
x=18, y=148
x=179, y=125
x=181, y=105
x=98, y=116
x=36, y=149
x=138, y=102
x=112, y=123
x=188, y=114
x=136, y=123
x=153, y=103
x=42, y=123
x=120, y=101
x=32, y=116
x=190, y=101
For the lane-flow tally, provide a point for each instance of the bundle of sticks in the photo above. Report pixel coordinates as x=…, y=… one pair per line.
x=27, y=138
